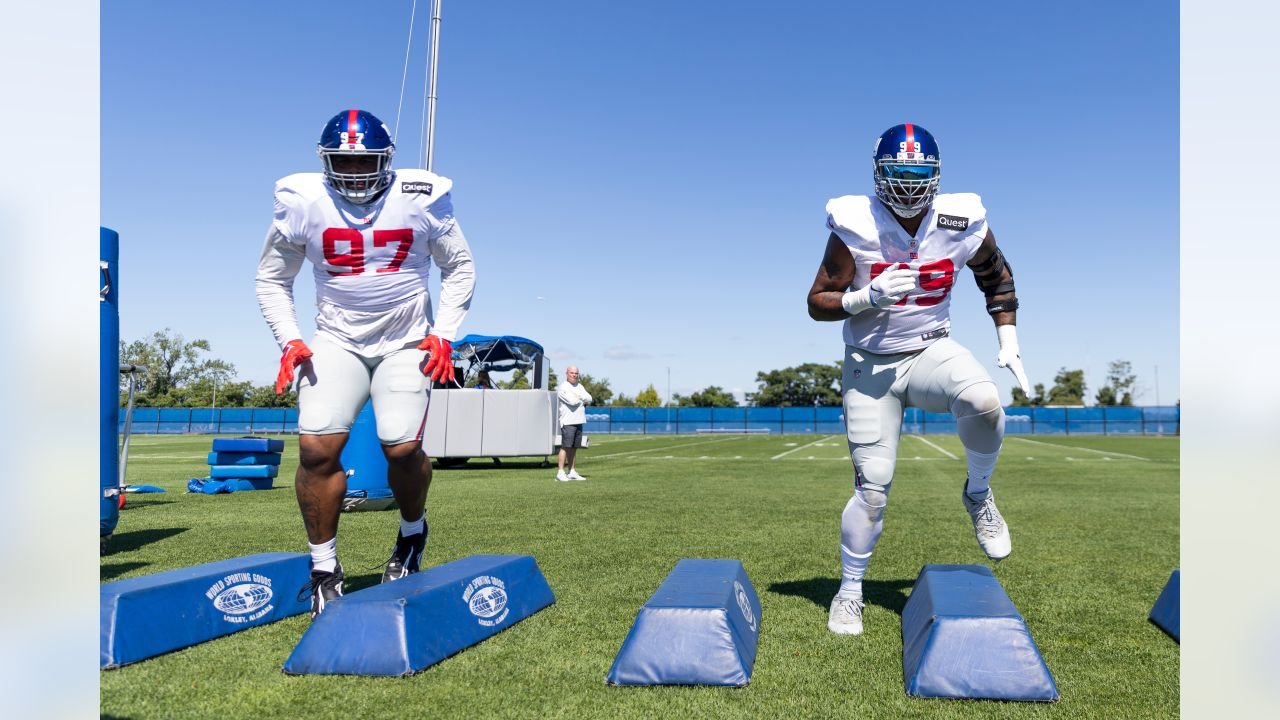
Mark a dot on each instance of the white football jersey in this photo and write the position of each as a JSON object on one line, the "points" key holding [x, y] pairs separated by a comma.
{"points": [[950, 233], [371, 262]]}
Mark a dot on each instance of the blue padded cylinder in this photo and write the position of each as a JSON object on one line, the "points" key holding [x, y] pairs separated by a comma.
{"points": [[146, 616], [963, 638], [362, 457], [109, 382], [405, 626], [1167, 612], [700, 627]]}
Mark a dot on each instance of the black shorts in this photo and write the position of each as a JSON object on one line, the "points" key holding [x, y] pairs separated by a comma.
{"points": [[570, 436]]}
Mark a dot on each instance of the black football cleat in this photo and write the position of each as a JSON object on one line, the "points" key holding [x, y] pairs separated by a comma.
{"points": [[325, 587], [406, 558]]}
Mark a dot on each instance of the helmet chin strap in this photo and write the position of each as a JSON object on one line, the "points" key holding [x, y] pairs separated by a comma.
{"points": [[907, 214]]}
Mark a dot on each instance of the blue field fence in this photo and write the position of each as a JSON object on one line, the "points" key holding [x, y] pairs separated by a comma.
{"points": [[1154, 420]]}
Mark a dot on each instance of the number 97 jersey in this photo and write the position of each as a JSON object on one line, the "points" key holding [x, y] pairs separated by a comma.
{"points": [[951, 231], [366, 257]]}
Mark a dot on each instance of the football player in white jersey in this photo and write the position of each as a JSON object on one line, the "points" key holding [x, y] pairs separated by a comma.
{"points": [[890, 263], [371, 234]]}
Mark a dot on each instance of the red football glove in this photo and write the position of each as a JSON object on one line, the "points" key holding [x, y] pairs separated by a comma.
{"points": [[295, 353], [439, 365]]}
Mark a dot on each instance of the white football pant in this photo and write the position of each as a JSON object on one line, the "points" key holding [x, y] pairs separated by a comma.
{"points": [[335, 383]]}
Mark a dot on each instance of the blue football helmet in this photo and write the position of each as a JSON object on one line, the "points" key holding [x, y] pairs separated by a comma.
{"points": [[907, 168], [356, 150]]}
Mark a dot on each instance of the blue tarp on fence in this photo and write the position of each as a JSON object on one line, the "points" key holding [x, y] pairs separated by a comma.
{"points": [[662, 421]]}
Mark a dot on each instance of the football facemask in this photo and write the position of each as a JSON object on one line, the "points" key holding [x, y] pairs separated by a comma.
{"points": [[907, 169], [356, 151]]}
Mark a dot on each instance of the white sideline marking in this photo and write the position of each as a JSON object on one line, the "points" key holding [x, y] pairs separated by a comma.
{"points": [[168, 457], [1081, 449], [609, 439], [784, 453], [671, 447], [922, 439]]}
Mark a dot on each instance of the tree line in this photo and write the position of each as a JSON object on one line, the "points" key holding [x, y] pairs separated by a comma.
{"points": [[181, 373]]}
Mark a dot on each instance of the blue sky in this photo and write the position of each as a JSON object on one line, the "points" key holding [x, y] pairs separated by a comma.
{"points": [[643, 184]]}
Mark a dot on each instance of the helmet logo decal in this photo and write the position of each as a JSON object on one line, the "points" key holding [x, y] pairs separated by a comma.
{"points": [[353, 137], [910, 148]]}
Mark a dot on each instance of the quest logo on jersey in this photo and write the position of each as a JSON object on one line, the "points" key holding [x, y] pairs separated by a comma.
{"points": [[952, 222], [425, 188]]}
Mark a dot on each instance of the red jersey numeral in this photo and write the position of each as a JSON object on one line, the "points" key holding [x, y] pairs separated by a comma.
{"points": [[383, 238], [936, 278], [354, 257]]}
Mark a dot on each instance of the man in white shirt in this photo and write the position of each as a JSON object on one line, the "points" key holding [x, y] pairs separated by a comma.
{"points": [[372, 235], [573, 415], [890, 264]]}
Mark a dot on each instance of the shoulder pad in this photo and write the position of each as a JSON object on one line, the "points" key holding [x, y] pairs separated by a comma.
{"points": [[421, 185], [851, 214], [961, 205], [307, 186]]}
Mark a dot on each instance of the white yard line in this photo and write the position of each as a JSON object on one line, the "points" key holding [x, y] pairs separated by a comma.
{"points": [[666, 447], [935, 446], [1081, 449], [609, 438], [794, 449]]}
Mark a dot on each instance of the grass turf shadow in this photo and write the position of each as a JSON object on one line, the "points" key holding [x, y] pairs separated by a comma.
{"points": [[134, 539], [115, 570], [885, 593]]}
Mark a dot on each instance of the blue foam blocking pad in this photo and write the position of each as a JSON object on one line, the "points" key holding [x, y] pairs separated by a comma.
{"points": [[247, 444], [700, 627], [147, 616], [408, 625], [244, 458], [209, 486], [244, 471], [963, 638], [1167, 612]]}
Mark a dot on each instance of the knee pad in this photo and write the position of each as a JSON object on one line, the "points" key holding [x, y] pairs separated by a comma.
{"points": [[872, 477], [979, 418], [980, 399]]}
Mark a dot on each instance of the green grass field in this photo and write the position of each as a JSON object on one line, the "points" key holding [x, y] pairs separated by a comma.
{"points": [[1094, 522]]}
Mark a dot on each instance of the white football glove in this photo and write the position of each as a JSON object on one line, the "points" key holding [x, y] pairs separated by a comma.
{"points": [[892, 285], [1008, 356]]}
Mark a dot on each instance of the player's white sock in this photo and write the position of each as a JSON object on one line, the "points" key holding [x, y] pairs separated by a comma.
{"points": [[324, 557], [860, 528], [981, 465], [411, 528]]}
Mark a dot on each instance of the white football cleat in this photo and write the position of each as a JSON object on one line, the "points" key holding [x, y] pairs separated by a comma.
{"points": [[560, 476], [988, 525], [846, 616], [573, 475]]}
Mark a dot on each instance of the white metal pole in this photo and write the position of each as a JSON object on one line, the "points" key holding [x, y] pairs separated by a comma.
{"points": [[431, 93]]}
